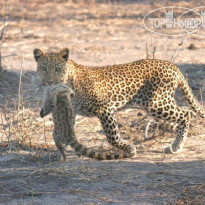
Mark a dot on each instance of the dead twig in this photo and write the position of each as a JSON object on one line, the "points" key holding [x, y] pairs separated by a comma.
{"points": [[147, 51], [20, 88], [3, 31], [177, 49]]}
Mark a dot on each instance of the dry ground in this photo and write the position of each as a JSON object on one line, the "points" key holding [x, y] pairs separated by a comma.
{"points": [[97, 34]]}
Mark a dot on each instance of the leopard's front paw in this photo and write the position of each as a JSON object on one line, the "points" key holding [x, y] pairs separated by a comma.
{"points": [[131, 150], [172, 150], [168, 150]]}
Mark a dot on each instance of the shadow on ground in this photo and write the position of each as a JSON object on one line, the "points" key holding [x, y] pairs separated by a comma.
{"points": [[151, 178], [79, 181]]}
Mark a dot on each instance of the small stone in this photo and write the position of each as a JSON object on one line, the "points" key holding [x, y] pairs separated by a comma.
{"points": [[51, 157], [192, 47]]}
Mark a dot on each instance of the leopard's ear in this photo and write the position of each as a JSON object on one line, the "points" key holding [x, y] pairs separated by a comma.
{"points": [[38, 54], [64, 53]]}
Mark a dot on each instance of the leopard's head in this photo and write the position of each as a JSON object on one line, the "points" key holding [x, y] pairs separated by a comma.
{"points": [[51, 66]]}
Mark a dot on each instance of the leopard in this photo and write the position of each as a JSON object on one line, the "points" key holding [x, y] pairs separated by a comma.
{"points": [[101, 91], [57, 100]]}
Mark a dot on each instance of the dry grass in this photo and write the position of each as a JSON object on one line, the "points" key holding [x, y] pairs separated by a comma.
{"points": [[153, 175], [22, 126], [194, 194]]}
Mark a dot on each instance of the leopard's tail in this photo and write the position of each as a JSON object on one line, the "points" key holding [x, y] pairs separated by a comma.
{"points": [[87, 152], [192, 101]]}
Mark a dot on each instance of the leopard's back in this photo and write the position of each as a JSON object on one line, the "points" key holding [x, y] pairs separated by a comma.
{"points": [[116, 86], [100, 91]]}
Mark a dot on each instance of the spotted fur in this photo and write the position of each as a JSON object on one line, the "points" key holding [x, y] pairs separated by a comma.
{"points": [[58, 101], [101, 91]]}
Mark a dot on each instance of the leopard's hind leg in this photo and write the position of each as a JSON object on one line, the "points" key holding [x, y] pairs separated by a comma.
{"points": [[181, 131], [180, 117]]}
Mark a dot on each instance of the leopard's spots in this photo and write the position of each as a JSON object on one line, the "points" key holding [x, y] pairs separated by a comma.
{"points": [[100, 91]]}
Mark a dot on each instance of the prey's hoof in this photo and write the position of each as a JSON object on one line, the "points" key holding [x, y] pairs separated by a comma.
{"points": [[42, 113]]}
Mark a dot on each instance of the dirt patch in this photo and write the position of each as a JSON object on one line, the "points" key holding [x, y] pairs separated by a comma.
{"points": [[96, 34], [151, 178], [159, 180]]}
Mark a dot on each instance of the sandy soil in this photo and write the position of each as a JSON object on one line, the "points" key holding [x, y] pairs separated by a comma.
{"points": [[96, 34]]}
